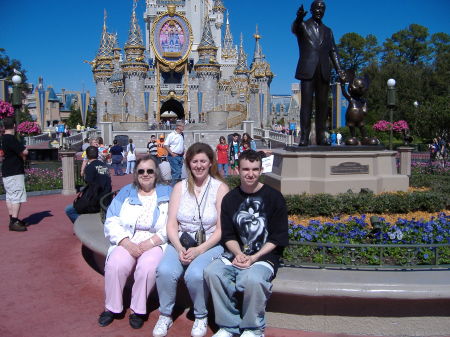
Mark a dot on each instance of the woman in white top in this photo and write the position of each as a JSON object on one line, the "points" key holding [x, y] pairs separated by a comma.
{"points": [[193, 229], [135, 226]]}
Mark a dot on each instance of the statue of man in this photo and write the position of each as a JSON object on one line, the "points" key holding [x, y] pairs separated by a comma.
{"points": [[317, 53]]}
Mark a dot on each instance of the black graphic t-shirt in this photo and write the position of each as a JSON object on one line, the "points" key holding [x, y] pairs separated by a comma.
{"points": [[254, 219]]}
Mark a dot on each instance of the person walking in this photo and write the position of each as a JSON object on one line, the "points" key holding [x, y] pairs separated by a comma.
{"points": [[174, 145], [254, 225], [222, 156], [131, 157], [116, 157], [13, 174]]}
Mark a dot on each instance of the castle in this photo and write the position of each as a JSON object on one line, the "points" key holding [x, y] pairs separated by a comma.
{"points": [[186, 66]]}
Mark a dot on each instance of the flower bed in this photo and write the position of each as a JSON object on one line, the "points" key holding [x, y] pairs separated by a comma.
{"points": [[353, 242], [38, 179]]}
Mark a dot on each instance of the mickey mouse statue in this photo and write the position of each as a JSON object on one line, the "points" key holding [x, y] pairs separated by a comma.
{"points": [[357, 110]]}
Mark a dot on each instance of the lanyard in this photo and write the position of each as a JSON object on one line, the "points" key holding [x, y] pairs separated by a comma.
{"points": [[201, 201]]}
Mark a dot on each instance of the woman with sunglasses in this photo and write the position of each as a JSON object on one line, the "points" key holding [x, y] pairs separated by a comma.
{"points": [[193, 229], [136, 229]]}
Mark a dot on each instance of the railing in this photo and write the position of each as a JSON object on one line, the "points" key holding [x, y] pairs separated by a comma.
{"points": [[367, 256], [69, 141], [38, 139], [258, 133]]}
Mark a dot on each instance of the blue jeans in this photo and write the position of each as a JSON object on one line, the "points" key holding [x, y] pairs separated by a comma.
{"points": [[71, 212], [117, 164], [224, 281], [169, 272], [176, 163], [130, 166], [224, 167]]}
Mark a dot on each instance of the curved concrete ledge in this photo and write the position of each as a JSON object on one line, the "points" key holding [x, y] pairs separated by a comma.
{"points": [[311, 282]]}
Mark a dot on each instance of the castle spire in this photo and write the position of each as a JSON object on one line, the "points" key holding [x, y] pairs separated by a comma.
{"points": [[259, 67], [105, 43], [242, 58], [229, 50], [258, 51], [218, 6], [207, 40], [134, 34]]}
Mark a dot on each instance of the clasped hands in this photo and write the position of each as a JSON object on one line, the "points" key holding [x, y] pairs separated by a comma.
{"points": [[186, 256], [243, 261], [136, 249]]}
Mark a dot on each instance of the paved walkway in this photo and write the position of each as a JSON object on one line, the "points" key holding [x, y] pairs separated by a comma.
{"points": [[47, 289]]}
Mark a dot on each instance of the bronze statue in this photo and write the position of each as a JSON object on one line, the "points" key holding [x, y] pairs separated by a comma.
{"points": [[357, 110], [317, 53]]}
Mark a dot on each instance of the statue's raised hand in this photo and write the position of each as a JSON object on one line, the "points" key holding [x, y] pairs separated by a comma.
{"points": [[301, 12]]}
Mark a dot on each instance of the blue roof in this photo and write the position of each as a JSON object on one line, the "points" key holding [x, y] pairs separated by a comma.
{"points": [[52, 96]]}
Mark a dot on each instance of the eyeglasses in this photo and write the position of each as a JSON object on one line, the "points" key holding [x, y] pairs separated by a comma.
{"points": [[142, 171]]}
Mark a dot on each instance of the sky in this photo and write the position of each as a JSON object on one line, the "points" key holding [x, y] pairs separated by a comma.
{"points": [[52, 38]]}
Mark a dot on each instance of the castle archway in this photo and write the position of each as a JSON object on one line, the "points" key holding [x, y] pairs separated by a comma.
{"points": [[171, 108]]}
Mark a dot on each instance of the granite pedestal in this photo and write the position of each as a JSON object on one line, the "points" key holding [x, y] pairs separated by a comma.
{"points": [[322, 169]]}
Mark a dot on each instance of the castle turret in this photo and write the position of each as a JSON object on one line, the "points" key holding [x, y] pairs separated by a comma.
{"points": [[134, 70], [208, 71], [260, 78], [116, 83], [102, 68]]}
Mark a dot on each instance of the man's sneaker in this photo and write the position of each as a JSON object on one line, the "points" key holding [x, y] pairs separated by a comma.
{"points": [[161, 327], [223, 333], [199, 328], [252, 333], [17, 226]]}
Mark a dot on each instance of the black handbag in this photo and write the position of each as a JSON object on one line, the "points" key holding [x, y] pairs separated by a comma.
{"points": [[187, 241]]}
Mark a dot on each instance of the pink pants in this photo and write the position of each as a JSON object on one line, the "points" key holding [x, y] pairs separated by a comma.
{"points": [[119, 266]]}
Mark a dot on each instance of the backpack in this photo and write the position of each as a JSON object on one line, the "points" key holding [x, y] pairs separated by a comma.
{"points": [[88, 200]]}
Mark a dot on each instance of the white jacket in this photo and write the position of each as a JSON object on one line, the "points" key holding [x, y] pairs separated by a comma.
{"points": [[125, 209]]}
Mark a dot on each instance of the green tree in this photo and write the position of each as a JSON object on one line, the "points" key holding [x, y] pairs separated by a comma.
{"points": [[410, 45], [7, 67], [74, 117], [91, 118], [357, 52]]}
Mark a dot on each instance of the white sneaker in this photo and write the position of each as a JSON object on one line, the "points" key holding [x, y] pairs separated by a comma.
{"points": [[199, 328], [223, 333], [252, 333], [161, 327]]}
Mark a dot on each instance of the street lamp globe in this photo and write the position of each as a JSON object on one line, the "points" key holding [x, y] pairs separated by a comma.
{"points": [[391, 83], [416, 104], [16, 79]]}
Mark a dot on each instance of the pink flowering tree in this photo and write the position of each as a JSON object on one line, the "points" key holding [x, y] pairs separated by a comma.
{"points": [[400, 126], [382, 126], [6, 109], [29, 128]]}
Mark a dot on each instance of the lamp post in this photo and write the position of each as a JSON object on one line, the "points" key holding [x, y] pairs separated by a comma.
{"points": [[17, 98], [391, 104]]}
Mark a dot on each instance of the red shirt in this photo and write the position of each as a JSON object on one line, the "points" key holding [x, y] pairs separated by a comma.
{"points": [[222, 153]]}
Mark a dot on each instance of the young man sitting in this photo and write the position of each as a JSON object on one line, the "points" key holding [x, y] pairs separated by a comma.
{"points": [[254, 231]]}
